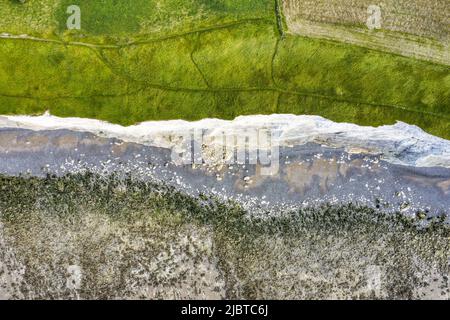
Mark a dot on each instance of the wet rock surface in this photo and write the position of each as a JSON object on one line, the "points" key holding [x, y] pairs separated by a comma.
{"points": [[307, 175], [86, 217]]}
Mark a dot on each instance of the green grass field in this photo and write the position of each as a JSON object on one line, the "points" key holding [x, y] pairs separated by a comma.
{"points": [[143, 60]]}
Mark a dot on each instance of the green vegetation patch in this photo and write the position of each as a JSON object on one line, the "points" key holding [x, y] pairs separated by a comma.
{"points": [[358, 74], [196, 59], [106, 17], [115, 17]]}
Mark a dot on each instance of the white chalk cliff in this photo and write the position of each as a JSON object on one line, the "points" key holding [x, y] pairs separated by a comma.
{"points": [[400, 143]]}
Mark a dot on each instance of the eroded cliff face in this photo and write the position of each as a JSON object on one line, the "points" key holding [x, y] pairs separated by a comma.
{"points": [[262, 162], [260, 207], [400, 143], [108, 214]]}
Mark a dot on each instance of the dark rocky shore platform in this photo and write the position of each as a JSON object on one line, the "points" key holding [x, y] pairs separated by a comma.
{"points": [[88, 217], [307, 175]]}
